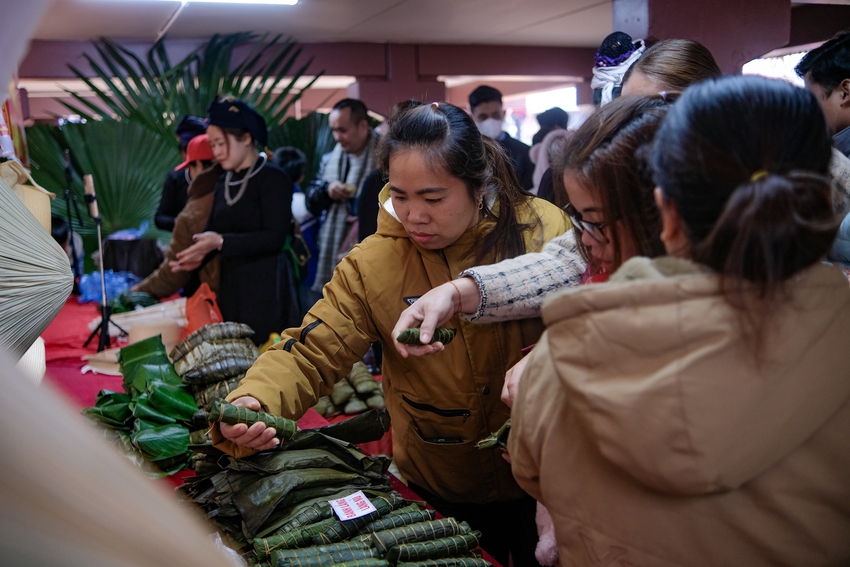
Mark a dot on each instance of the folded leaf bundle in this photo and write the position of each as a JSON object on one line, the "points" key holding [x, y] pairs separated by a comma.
{"points": [[302, 537], [111, 409], [361, 379], [143, 411], [210, 333], [411, 336], [354, 406], [230, 414], [210, 349], [287, 557], [342, 392], [403, 516], [376, 401], [344, 530], [325, 407], [274, 462], [435, 548], [205, 395], [450, 562], [172, 400], [497, 439], [147, 351], [162, 442], [422, 531], [220, 367], [129, 300], [260, 496]]}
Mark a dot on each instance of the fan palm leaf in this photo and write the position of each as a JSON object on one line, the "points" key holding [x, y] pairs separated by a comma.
{"points": [[311, 134], [153, 93], [128, 164]]}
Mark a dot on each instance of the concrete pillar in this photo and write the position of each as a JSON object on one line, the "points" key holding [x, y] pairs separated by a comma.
{"points": [[736, 31], [401, 82]]}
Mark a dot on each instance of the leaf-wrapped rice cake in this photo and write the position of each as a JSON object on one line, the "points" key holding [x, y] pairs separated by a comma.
{"points": [[435, 548], [422, 531], [210, 333]]}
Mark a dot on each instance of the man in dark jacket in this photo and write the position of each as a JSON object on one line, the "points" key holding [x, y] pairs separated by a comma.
{"points": [[826, 71], [485, 103], [338, 185], [176, 186]]}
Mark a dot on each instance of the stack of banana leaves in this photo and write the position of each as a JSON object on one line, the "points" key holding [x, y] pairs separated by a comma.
{"points": [[130, 300], [275, 505], [213, 359], [356, 393], [152, 419]]}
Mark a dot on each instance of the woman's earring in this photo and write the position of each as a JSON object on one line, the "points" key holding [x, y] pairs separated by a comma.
{"points": [[481, 202]]}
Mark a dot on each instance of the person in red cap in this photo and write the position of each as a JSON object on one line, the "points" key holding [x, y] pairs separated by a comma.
{"points": [[204, 173], [199, 156]]}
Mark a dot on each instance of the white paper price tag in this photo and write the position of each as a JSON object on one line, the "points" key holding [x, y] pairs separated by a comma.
{"points": [[352, 506]]}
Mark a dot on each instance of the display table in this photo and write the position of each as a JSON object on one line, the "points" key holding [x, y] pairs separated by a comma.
{"points": [[63, 346]]}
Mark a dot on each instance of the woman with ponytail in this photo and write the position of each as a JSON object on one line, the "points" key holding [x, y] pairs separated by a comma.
{"points": [[452, 201], [694, 410]]}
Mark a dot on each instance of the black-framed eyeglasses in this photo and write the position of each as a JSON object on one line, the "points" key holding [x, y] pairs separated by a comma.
{"points": [[594, 229]]}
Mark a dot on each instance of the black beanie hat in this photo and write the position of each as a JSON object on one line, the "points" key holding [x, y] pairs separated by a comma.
{"points": [[234, 113]]}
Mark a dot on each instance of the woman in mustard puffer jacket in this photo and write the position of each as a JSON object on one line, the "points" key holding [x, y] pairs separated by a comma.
{"points": [[452, 201]]}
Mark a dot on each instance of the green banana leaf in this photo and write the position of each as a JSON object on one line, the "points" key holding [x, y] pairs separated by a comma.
{"points": [[147, 351], [172, 400], [172, 465], [163, 442], [129, 300], [112, 409], [147, 373], [140, 424], [142, 410]]}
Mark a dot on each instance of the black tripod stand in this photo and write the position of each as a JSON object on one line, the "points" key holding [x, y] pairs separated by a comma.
{"points": [[70, 197], [105, 309]]}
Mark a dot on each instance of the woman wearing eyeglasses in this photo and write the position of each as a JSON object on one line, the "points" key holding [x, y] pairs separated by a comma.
{"points": [[695, 409]]}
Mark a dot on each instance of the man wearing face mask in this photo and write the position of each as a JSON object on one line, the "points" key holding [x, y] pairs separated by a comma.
{"points": [[485, 103]]}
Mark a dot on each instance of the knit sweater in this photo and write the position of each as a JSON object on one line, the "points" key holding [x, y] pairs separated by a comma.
{"points": [[515, 288]]}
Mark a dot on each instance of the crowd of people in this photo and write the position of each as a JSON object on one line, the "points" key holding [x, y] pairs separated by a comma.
{"points": [[685, 400]]}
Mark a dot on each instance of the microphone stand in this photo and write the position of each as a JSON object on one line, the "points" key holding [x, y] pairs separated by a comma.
{"points": [[105, 309], [68, 198]]}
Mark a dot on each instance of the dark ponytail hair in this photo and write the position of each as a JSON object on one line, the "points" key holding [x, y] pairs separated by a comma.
{"points": [[448, 138], [746, 160], [608, 155]]}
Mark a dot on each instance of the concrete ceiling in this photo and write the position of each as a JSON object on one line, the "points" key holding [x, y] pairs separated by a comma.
{"points": [[570, 23]]}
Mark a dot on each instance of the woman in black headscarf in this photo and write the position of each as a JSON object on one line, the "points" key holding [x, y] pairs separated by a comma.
{"points": [[250, 220]]}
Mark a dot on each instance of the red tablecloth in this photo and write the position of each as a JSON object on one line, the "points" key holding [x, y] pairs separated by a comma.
{"points": [[64, 346]]}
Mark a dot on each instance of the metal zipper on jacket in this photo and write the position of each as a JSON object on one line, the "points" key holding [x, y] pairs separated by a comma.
{"points": [[464, 413]]}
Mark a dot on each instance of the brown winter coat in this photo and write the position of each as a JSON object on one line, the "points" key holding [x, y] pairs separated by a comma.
{"points": [[191, 220], [655, 437], [451, 396]]}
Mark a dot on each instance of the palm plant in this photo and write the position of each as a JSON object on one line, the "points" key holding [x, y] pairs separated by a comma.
{"points": [[127, 141], [128, 164], [155, 94], [311, 134]]}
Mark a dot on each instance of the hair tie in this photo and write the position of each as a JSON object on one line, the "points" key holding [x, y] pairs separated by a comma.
{"points": [[436, 105], [760, 174]]}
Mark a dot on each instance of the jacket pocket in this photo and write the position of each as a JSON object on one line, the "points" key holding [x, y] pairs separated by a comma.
{"points": [[464, 413]]}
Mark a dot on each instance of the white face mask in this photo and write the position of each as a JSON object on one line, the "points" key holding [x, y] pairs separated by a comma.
{"points": [[490, 127]]}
